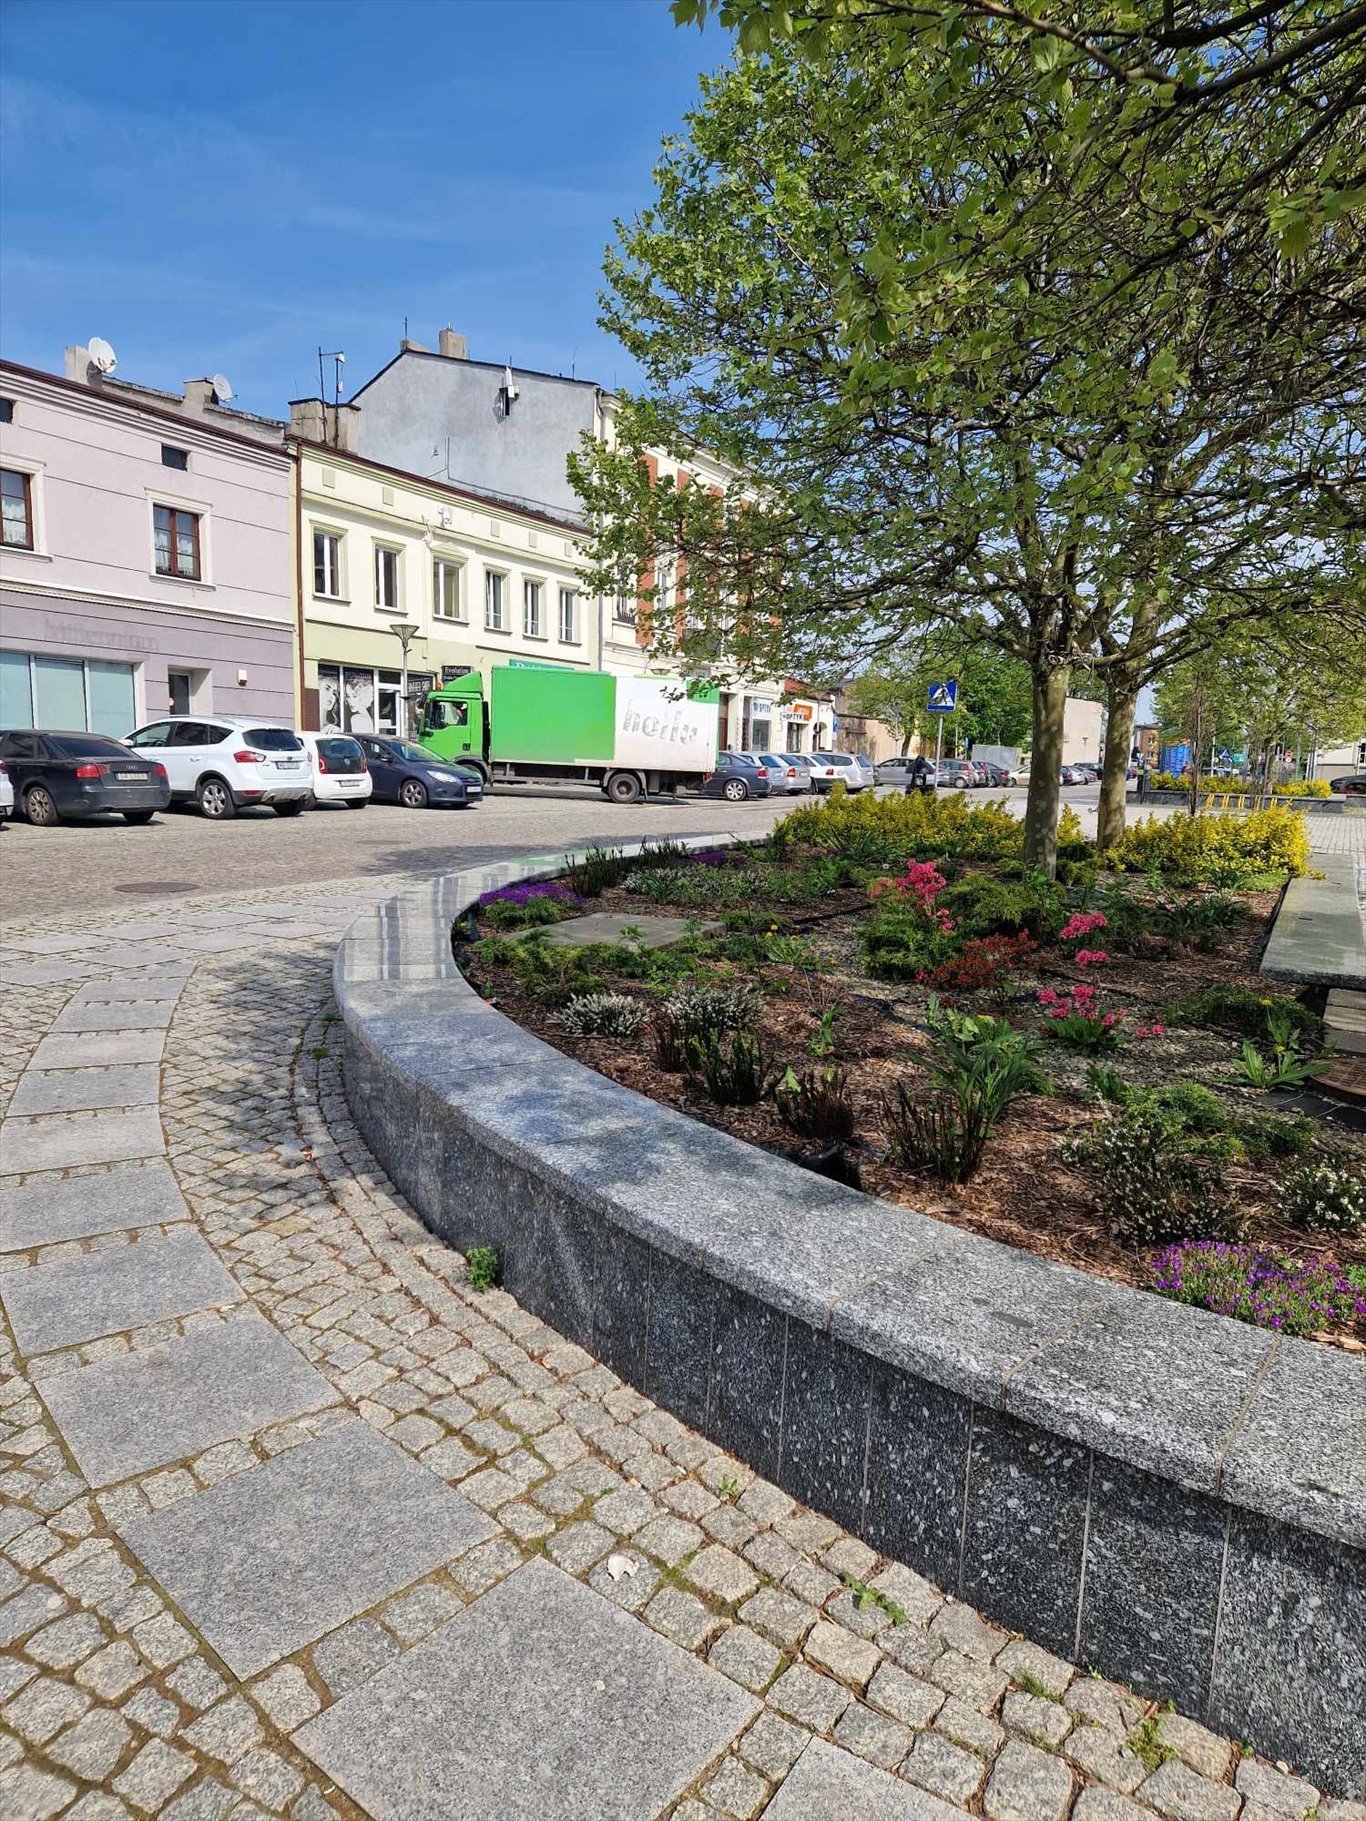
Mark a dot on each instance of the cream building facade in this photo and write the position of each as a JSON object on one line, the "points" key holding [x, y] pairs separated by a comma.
{"points": [[480, 582]]}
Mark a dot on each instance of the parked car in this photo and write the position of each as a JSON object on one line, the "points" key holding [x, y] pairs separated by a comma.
{"points": [[998, 777], [847, 768], [1354, 785], [59, 777], [415, 778], [804, 763], [956, 774], [1072, 774], [224, 764], [897, 772], [736, 778], [341, 773], [6, 792], [784, 774]]}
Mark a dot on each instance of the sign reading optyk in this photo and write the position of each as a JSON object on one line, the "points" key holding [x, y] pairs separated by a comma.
{"points": [[943, 698]]}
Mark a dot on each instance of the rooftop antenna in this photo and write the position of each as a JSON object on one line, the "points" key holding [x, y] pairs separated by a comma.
{"points": [[222, 391], [102, 357], [574, 364]]}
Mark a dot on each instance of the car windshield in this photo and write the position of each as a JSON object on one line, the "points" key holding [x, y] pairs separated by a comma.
{"points": [[274, 739], [413, 754], [87, 746]]}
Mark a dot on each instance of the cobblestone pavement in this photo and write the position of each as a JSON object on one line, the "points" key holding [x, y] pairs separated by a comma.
{"points": [[295, 1523]]}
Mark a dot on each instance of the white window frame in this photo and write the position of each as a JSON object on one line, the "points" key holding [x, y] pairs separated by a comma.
{"points": [[534, 583], [625, 611], [19, 464], [456, 565], [500, 578], [396, 552], [338, 537], [569, 596], [162, 496]]}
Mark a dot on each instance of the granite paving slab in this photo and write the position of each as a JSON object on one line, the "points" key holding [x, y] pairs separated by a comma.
{"points": [[46, 1210], [139, 1410], [85, 1090], [160, 985], [269, 1561], [129, 1015], [541, 1702], [832, 1785], [106, 1292], [61, 1141], [98, 1049]]}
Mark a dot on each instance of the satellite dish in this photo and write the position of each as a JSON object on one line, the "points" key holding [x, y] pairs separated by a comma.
{"points": [[102, 357], [222, 391]]}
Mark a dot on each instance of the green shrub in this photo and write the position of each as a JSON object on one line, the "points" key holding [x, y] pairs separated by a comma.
{"points": [[933, 1133], [1151, 1187], [982, 905], [978, 1066], [1235, 1008], [733, 1069], [868, 830], [899, 944], [603, 1015], [1290, 787], [1216, 850], [816, 1104], [483, 1267], [503, 914], [1326, 1195], [592, 872]]}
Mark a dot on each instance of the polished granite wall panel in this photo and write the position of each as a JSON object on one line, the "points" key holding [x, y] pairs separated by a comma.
{"points": [[1025, 1528], [749, 1352], [825, 1424], [917, 1472], [1154, 1555]]}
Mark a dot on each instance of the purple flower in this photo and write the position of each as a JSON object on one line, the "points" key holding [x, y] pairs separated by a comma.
{"points": [[523, 894], [1256, 1285]]}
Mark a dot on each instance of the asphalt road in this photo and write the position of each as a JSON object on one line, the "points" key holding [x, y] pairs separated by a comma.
{"points": [[106, 865]]}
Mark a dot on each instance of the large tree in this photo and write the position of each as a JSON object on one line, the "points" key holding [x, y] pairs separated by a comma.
{"points": [[915, 316]]}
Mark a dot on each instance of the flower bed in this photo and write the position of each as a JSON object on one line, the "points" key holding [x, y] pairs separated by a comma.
{"points": [[1081, 1070]]}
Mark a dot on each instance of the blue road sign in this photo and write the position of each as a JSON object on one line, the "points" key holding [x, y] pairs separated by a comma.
{"points": [[943, 698]]}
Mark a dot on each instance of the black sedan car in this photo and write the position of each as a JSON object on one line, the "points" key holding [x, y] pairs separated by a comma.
{"points": [[736, 778], [59, 777], [1354, 785], [414, 778]]}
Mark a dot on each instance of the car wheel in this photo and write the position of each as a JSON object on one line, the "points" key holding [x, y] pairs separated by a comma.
{"points": [[356, 802], [138, 817], [215, 800], [293, 808], [735, 790], [40, 808], [412, 794], [623, 787]]}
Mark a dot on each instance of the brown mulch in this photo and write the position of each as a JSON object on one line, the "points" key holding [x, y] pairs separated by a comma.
{"points": [[1024, 1194]]}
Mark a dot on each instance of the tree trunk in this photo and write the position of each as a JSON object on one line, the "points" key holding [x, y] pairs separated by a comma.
{"points": [[1041, 811], [1121, 706]]}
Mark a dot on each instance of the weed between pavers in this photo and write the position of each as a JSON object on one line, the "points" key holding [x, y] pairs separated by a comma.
{"points": [[864, 1595]]}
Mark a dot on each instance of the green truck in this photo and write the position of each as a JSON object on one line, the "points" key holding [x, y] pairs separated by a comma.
{"points": [[630, 735]]}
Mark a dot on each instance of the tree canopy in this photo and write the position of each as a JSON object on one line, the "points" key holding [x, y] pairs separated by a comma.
{"points": [[924, 328]]}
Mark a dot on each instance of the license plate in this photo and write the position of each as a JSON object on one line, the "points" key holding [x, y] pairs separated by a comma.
{"points": [[288, 764], [130, 777], [350, 783]]}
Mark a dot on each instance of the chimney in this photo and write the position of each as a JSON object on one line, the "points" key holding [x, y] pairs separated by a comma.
{"points": [[406, 346], [77, 363], [306, 419], [453, 346], [337, 426], [198, 394]]}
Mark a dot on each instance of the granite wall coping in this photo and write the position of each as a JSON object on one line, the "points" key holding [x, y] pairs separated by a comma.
{"points": [[1262, 1422]]}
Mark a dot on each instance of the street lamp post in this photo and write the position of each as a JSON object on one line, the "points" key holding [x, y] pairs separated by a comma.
{"points": [[405, 632]]}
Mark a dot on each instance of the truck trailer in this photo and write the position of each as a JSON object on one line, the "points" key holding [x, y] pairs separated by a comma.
{"points": [[632, 736]]}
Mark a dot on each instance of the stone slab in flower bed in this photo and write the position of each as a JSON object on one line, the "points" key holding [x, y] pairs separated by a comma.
{"points": [[1175, 1499]]}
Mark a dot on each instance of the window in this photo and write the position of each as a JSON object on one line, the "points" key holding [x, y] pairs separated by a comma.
{"points": [[494, 616], [386, 578], [446, 601], [569, 617], [531, 610], [327, 564], [171, 457], [158, 734], [357, 700], [6, 410], [176, 534], [625, 612], [91, 693], [16, 502], [274, 739]]}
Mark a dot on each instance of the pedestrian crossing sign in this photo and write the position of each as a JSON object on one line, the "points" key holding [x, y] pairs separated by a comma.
{"points": [[943, 698]]}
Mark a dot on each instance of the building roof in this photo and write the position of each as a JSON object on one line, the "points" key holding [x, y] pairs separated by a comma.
{"points": [[142, 399], [463, 360], [465, 494]]}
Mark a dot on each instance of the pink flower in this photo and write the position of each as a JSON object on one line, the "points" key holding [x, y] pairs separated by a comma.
{"points": [[1110, 1020], [1151, 1030], [1082, 923], [1090, 957]]}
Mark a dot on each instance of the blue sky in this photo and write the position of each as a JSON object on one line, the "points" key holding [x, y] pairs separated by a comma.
{"points": [[223, 187]]}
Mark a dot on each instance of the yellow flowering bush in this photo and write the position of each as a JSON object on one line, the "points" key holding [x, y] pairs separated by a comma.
{"points": [[1215, 850], [1292, 787], [877, 831]]}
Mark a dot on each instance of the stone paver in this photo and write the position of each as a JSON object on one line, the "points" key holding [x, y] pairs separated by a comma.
{"points": [[273, 1559], [618, 1720], [108, 1698]]}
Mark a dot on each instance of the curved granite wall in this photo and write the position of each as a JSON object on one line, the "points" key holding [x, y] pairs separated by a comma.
{"points": [[1175, 1499]]}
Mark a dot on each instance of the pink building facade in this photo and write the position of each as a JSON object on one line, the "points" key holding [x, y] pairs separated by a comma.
{"points": [[147, 555]]}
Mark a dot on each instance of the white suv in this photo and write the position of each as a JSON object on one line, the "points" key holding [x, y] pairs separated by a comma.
{"points": [[847, 768], [225, 764]]}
